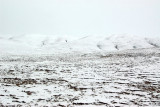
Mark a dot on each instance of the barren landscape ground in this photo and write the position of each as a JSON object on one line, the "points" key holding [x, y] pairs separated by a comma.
{"points": [[126, 78]]}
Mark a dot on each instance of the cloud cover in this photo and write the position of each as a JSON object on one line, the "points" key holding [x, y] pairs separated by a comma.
{"points": [[80, 17]]}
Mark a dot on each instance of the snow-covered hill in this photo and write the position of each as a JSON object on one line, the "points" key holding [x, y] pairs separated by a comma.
{"points": [[40, 70], [48, 44]]}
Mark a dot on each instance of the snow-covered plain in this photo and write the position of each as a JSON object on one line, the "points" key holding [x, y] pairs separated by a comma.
{"points": [[115, 70]]}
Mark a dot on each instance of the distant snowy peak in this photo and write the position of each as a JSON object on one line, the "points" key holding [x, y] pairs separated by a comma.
{"points": [[34, 44]]}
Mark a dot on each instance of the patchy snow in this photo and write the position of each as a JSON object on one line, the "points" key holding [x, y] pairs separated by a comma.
{"points": [[114, 70], [124, 78]]}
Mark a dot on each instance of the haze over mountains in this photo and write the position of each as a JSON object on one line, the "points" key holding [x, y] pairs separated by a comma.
{"points": [[48, 44]]}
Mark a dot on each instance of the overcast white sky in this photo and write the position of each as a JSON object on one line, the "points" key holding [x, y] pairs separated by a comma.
{"points": [[80, 17]]}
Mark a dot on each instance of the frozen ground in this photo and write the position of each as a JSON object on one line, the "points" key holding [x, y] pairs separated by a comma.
{"points": [[124, 78]]}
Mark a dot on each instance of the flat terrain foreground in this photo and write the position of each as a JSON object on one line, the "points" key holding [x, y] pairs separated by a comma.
{"points": [[75, 79]]}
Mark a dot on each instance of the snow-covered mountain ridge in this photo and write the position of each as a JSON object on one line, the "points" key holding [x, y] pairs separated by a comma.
{"points": [[45, 44]]}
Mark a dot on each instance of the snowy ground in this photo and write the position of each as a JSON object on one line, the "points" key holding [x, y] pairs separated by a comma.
{"points": [[125, 78]]}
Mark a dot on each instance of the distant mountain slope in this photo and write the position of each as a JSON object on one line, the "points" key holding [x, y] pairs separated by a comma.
{"points": [[48, 44]]}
